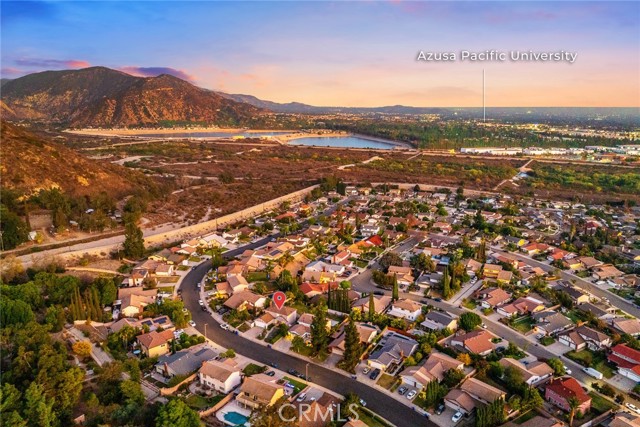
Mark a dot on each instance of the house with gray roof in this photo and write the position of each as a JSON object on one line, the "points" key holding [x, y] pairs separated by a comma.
{"points": [[438, 320], [392, 350], [185, 362], [550, 322]]}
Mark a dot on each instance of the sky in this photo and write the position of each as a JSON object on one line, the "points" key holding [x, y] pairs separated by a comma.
{"points": [[344, 53]]}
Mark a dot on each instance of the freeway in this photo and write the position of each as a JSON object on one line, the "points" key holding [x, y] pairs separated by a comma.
{"points": [[377, 401]]}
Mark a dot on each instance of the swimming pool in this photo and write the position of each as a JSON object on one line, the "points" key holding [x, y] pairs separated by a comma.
{"points": [[236, 418]]}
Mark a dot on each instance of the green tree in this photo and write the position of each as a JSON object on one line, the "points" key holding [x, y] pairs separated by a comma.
{"points": [[38, 408], [469, 321], [557, 366], [446, 284], [394, 292], [177, 414], [133, 238], [573, 403], [319, 332], [389, 259], [107, 289], [15, 312], [14, 229], [372, 307], [352, 347]]}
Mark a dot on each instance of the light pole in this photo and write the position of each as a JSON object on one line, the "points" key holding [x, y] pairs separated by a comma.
{"points": [[205, 331], [306, 372]]}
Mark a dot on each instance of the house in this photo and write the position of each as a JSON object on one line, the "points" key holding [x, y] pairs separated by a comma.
{"points": [[559, 391], [366, 332], [284, 314], [340, 257], [578, 296], [155, 343], [584, 336], [134, 304], [368, 230], [313, 414], [184, 362], [438, 320], [625, 419], [380, 303], [540, 421], [138, 276], [403, 274], [393, 349], [550, 322], [589, 262], [532, 373], [492, 297], [627, 360], [473, 267], [534, 248], [521, 306], [599, 310], [460, 401], [491, 271], [606, 271], [237, 283], [627, 326], [478, 342], [310, 290], [405, 309], [164, 270], [245, 300], [223, 377], [504, 277], [432, 369], [258, 391], [481, 391], [213, 241]]}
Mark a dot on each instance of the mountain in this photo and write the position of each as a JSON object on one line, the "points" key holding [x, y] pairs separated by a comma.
{"points": [[101, 97], [3, 81], [299, 108], [31, 162]]}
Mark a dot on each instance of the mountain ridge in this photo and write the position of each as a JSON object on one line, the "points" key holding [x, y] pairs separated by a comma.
{"points": [[102, 97]]}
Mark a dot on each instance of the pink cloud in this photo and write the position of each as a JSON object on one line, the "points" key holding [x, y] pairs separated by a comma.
{"points": [[52, 63], [156, 71]]}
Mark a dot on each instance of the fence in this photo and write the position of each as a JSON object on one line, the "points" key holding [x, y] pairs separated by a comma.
{"points": [[165, 391], [215, 408]]}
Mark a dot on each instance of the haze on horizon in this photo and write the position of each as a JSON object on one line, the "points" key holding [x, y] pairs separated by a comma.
{"points": [[353, 54]]}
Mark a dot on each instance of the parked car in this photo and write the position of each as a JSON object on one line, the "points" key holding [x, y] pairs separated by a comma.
{"points": [[192, 323], [374, 374], [270, 373], [440, 409], [273, 365], [456, 417], [301, 397], [366, 370], [411, 394], [566, 370], [225, 326], [438, 299], [363, 403], [402, 390], [200, 302]]}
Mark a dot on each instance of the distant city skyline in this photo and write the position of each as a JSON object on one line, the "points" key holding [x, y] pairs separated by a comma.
{"points": [[353, 54]]}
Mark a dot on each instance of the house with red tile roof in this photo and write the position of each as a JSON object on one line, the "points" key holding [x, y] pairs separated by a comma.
{"points": [[560, 390], [628, 361], [478, 342]]}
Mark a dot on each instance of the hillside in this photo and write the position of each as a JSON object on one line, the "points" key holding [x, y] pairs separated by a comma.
{"points": [[30, 163], [101, 97]]}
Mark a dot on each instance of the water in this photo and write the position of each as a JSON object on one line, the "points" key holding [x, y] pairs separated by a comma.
{"points": [[236, 418], [211, 134], [343, 141]]}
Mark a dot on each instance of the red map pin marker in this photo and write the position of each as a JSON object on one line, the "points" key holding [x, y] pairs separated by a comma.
{"points": [[278, 299]]}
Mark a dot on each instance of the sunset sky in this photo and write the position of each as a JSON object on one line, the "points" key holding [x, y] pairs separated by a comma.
{"points": [[341, 53]]}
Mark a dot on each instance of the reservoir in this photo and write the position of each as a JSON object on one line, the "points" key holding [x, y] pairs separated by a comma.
{"points": [[211, 134], [343, 142]]}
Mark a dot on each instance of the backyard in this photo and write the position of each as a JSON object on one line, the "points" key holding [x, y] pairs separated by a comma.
{"points": [[595, 360]]}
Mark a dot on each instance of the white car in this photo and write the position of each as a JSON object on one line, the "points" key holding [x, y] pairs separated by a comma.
{"points": [[225, 326], [633, 407], [200, 302], [456, 417], [411, 394], [366, 370], [301, 397], [566, 369], [192, 323]]}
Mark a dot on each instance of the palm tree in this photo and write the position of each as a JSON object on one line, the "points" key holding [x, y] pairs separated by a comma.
{"points": [[573, 405], [285, 259]]}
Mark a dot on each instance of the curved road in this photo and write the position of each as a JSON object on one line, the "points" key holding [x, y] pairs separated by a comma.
{"points": [[386, 406]]}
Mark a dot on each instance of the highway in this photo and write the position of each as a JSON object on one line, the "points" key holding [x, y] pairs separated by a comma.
{"points": [[377, 401]]}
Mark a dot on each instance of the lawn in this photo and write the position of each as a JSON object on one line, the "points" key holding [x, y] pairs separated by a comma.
{"points": [[253, 369], [600, 404], [386, 381], [198, 402], [167, 289], [170, 279], [469, 303], [575, 316], [183, 267], [257, 276], [594, 360], [371, 419], [547, 340], [298, 386], [525, 417], [523, 324]]}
